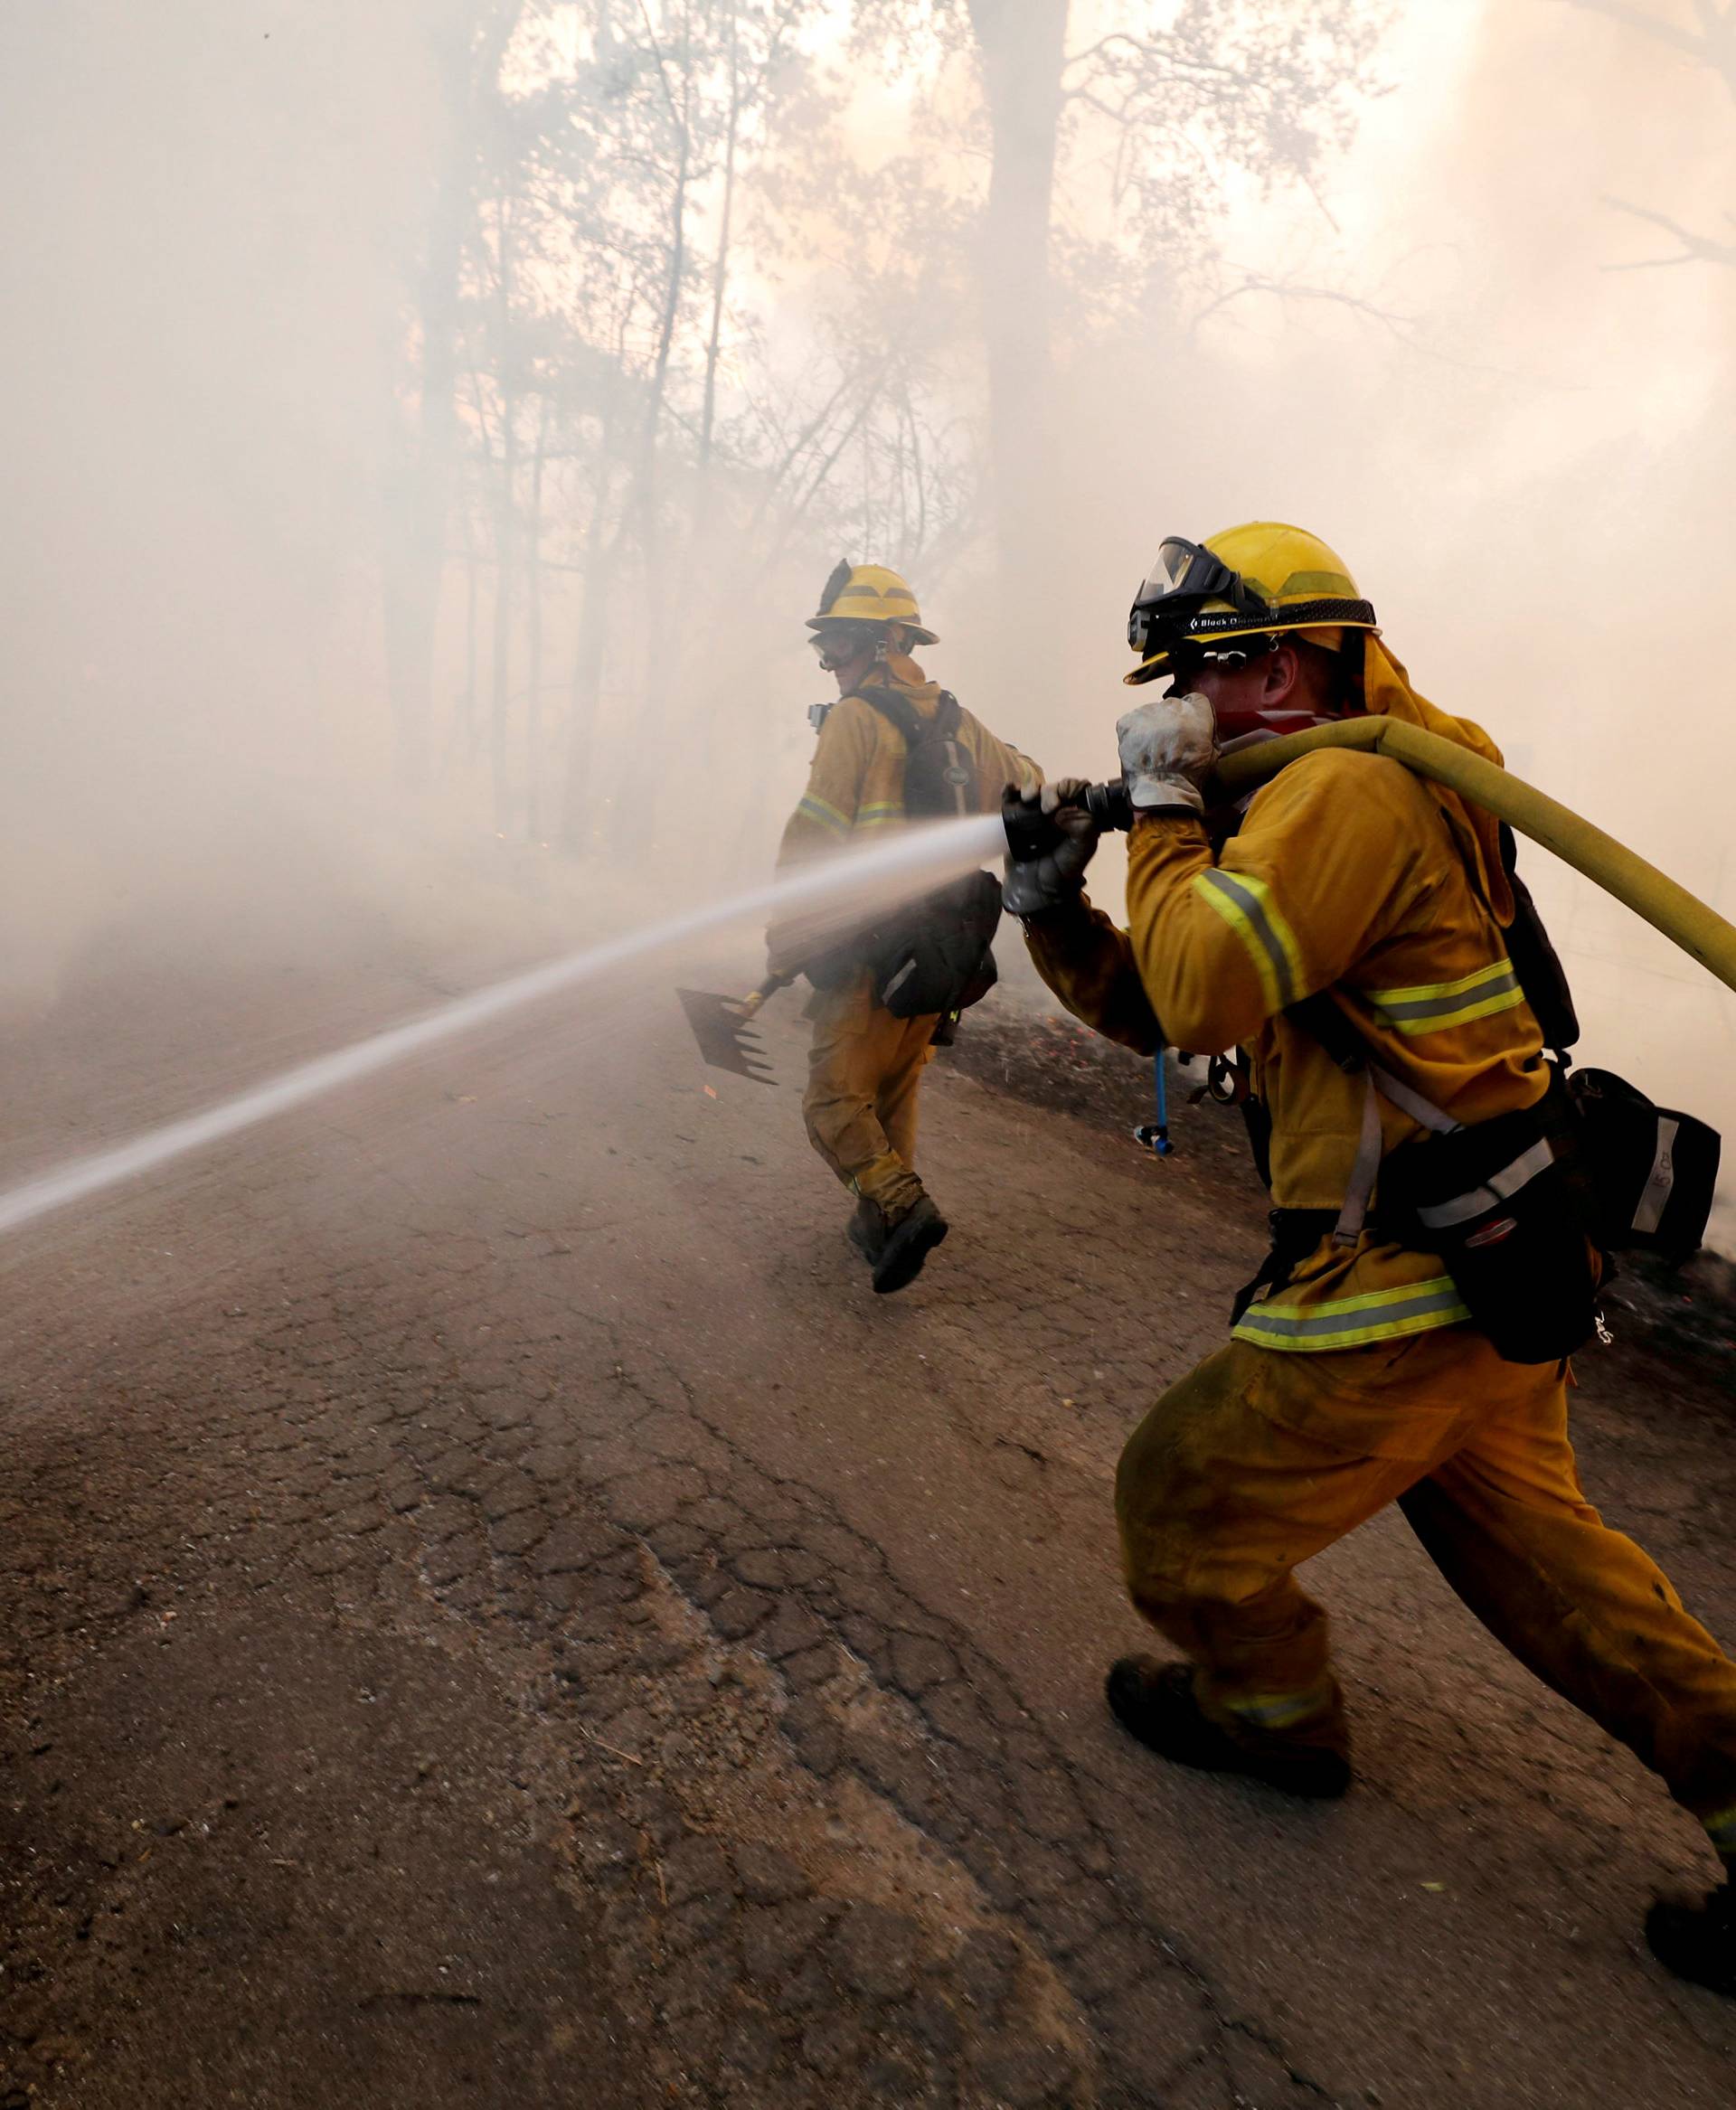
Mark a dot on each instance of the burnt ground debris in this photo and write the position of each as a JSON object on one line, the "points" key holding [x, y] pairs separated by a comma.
{"points": [[496, 1612]]}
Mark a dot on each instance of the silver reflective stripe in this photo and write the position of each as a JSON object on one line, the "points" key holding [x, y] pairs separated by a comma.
{"points": [[898, 980], [1324, 1325], [1445, 1007], [1254, 909], [1500, 1186], [1655, 1198]]}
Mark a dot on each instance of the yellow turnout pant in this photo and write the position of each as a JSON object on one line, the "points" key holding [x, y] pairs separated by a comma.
{"points": [[862, 1073], [1257, 1460]]}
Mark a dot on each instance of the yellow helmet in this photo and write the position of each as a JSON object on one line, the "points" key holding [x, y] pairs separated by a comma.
{"points": [[1264, 576], [870, 593]]}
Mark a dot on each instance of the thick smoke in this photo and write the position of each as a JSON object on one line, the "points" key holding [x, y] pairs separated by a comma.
{"points": [[218, 235], [206, 213]]}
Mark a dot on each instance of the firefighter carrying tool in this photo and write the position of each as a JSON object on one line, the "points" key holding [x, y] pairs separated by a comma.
{"points": [[892, 746], [1357, 1372]]}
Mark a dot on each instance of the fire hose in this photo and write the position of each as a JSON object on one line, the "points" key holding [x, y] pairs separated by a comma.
{"points": [[1686, 921]]}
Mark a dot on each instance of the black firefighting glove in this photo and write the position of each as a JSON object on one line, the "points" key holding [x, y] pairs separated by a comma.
{"points": [[1060, 838]]}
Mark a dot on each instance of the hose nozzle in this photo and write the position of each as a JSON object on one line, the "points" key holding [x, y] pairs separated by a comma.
{"points": [[1110, 807], [1030, 832]]}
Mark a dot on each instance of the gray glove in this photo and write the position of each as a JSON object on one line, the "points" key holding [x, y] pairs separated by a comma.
{"points": [[1167, 748], [1053, 878]]}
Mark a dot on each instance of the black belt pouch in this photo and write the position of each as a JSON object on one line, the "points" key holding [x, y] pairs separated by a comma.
{"points": [[1496, 1201]]}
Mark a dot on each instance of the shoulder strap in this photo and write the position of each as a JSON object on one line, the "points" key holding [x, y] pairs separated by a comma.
{"points": [[896, 711], [1319, 1017], [1535, 961], [943, 726]]}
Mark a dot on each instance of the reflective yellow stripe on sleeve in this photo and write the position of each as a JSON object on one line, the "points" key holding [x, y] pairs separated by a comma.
{"points": [[1352, 1322], [1246, 906], [882, 814], [1430, 1007], [828, 816]]}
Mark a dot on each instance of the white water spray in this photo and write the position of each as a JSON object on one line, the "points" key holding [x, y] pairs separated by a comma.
{"points": [[909, 864]]}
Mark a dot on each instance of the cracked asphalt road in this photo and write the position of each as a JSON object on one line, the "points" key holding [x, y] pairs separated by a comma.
{"points": [[495, 1613]]}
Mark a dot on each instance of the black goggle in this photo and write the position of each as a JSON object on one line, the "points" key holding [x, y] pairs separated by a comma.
{"points": [[1187, 576], [843, 640]]}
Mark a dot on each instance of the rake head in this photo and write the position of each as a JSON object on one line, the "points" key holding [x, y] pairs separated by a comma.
{"points": [[723, 1027]]}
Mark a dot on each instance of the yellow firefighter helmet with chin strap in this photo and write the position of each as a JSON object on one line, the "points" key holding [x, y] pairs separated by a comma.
{"points": [[870, 593], [1259, 579]]}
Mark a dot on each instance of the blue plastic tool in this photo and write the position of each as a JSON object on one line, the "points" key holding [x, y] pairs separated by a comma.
{"points": [[1154, 1135]]}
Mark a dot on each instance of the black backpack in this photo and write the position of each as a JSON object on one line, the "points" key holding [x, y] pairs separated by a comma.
{"points": [[935, 956], [941, 779], [1646, 1173], [1536, 962], [1651, 1172]]}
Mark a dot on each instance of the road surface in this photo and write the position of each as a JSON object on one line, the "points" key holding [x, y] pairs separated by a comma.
{"points": [[494, 1613]]}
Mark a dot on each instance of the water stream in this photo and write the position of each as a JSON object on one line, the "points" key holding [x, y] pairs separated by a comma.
{"points": [[907, 864]]}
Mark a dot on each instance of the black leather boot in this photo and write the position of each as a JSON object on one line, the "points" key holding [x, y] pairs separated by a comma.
{"points": [[909, 1240], [1155, 1702], [866, 1230], [1697, 1942]]}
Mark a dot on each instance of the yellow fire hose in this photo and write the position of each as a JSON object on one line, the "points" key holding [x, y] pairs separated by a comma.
{"points": [[1699, 930]]}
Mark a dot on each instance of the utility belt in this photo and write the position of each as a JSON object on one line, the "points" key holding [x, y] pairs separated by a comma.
{"points": [[1494, 1203], [1521, 1209]]}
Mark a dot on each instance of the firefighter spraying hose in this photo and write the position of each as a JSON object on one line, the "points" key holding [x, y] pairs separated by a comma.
{"points": [[1321, 876]]}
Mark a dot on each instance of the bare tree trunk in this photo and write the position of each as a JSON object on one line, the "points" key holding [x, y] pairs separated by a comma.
{"points": [[645, 496], [578, 819], [505, 533], [415, 558], [533, 801], [464, 731], [679, 117], [1022, 44], [416, 553], [720, 271]]}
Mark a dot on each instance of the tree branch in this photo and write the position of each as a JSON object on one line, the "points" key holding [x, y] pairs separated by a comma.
{"points": [[1696, 249], [1403, 326], [1648, 24], [663, 71]]}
